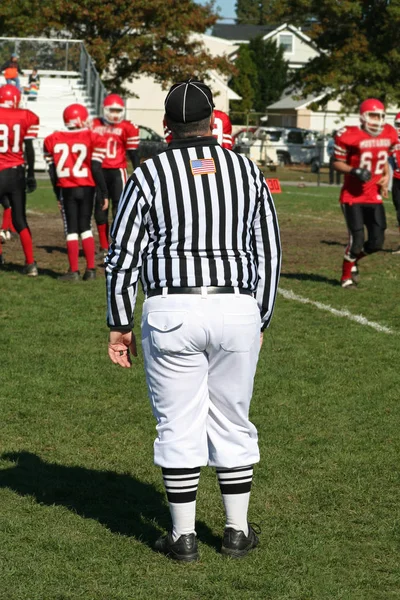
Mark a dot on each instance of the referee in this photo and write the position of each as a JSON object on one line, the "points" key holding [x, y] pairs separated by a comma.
{"points": [[197, 225]]}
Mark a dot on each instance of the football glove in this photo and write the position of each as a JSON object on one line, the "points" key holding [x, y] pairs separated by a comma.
{"points": [[31, 184], [362, 174]]}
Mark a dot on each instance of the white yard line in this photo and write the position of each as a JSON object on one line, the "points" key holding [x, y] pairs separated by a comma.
{"points": [[289, 295]]}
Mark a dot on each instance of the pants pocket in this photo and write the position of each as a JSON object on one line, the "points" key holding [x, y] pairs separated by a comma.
{"points": [[167, 330], [239, 331]]}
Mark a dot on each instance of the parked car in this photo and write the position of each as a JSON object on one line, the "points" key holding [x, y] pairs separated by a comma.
{"points": [[284, 146], [243, 137], [150, 143]]}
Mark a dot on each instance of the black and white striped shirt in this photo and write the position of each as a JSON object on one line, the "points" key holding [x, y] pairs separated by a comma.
{"points": [[196, 215]]}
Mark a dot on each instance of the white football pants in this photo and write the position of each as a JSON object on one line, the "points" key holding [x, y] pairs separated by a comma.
{"points": [[200, 357]]}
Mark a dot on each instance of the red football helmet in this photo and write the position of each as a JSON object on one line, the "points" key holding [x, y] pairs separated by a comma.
{"points": [[10, 96], [372, 115], [75, 116], [113, 108], [397, 123]]}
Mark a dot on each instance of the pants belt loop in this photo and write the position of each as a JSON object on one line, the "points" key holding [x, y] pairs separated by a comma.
{"points": [[237, 293], [203, 292], [164, 292]]}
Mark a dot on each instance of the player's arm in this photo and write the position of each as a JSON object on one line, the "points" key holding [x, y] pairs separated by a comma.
{"points": [[362, 175], [340, 163], [51, 170], [132, 143], [30, 166], [383, 182], [98, 155], [101, 185], [133, 156]]}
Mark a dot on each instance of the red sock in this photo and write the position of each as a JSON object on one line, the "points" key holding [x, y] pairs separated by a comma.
{"points": [[89, 250], [103, 235], [27, 246], [12, 228], [346, 269], [73, 254], [7, 222]]}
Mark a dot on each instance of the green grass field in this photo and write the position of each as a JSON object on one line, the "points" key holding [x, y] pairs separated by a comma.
{"points": [[81, 502]]}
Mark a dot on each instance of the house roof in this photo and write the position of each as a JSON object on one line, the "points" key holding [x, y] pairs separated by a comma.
{"points": [[290, 102], [244, 33], [241, 32]]}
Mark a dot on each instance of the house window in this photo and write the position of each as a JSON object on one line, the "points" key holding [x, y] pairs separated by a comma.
{"points": [[286, 42]]}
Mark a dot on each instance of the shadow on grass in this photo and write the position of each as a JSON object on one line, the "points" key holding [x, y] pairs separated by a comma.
{"points": [[118, 501], [333, 243], [51, 249], [311, 277], [16, 268], [343, 245]]}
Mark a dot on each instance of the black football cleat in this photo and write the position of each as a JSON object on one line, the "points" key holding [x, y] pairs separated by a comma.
{"points": [[236, 544], [89, 275], [70, 276], [31, 270], [184, 549]]}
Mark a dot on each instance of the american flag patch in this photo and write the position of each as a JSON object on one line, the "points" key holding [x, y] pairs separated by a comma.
{"points": [[203, 166]]}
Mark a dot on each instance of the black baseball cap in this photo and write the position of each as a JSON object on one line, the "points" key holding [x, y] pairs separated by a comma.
{"points": [[189, 101]]}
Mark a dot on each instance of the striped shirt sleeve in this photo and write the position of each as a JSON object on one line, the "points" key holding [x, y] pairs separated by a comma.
{"points": [[129, 240], [267, 248]]}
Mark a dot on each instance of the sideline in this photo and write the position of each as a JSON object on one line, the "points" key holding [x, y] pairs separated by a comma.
{"points": [[289, 295]]}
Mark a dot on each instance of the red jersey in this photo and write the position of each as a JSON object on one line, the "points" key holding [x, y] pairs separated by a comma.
{"points": [[358, 148], [396, 160], [167, 132], [222, 130], [72, 152], [119, 138], [16, 125]]}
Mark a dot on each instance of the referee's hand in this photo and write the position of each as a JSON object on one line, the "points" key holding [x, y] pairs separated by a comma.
{"points": [[120, 345]]}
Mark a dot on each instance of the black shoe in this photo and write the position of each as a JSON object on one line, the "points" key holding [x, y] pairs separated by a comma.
{"points": [[238, 545], [185, 547], [89, 275], [31, 270], [70, 276]]}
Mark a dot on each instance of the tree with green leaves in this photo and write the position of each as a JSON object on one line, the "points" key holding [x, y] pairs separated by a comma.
{"points": [[125, 38], [262, 77], [360, 49], [272, 71]]}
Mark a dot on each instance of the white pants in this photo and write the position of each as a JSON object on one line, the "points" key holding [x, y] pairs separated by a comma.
{"points": [[200, 357]]}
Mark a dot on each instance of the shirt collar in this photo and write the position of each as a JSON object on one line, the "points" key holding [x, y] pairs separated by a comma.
{"points": [[189, 142]]}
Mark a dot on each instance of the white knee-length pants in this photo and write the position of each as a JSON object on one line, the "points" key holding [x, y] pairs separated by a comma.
{"points": [[200, 356]]}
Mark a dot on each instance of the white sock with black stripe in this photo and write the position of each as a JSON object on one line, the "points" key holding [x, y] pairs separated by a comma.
{"points": [[235, 486], [181, 487]]}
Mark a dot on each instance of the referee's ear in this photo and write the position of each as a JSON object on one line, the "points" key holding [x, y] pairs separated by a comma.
{"points": [[212, 118]]}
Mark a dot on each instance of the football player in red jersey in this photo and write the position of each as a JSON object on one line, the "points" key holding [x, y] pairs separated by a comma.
{"points": [[396, 176], [18, 128], [361, 153], [222, 130], [122, 138], [75, 161]]}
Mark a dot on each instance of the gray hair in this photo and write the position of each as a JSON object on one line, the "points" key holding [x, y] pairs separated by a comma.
{"points": [[184, 130]]}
